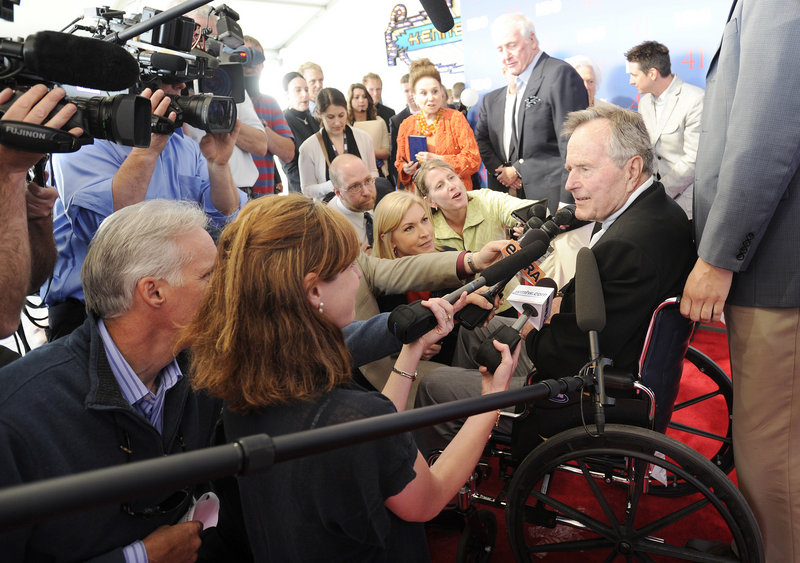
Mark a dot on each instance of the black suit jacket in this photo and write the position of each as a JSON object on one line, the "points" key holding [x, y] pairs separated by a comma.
{"points": [[554, 89], [394, 127], [489, 134], [385, 113], [643, 258]]}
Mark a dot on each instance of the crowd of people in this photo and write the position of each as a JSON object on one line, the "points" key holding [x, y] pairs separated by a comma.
{"points": [[188, 310]]}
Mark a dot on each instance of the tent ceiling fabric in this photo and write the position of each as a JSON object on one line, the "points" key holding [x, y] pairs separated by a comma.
{"points": [[277, 22]]}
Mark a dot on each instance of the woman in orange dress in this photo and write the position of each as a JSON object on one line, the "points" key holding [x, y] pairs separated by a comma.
{"points": [[449, 136]]}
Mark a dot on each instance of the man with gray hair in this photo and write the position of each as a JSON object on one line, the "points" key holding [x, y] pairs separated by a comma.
{"points": [[114, 391], [519, 127], [644, 251]]}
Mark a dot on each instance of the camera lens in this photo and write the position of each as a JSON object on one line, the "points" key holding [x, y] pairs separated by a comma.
{"points": [[213, 114], [123, 119]]}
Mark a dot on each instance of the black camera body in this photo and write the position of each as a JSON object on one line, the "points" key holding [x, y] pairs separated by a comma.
{"points": [[53, 58]]}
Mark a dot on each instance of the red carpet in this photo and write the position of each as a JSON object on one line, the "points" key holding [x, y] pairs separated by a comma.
{"points": [[709, 415]]}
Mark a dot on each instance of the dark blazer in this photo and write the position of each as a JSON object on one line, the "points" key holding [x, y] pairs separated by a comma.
{"points": [[747, 177], [489, 135], [385, 113], [643, 258], [554, 89], [394, 127]]}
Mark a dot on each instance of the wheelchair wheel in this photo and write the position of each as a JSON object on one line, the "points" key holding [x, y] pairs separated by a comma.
{"points": [[478, 538], [577, 493], [712, 401]]}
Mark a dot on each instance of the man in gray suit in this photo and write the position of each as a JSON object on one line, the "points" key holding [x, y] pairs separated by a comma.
{"points": [[747, 200], [519, 136], [671, 110]]}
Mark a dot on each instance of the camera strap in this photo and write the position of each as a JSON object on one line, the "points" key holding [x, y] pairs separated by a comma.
{"points": [[30, 137]]}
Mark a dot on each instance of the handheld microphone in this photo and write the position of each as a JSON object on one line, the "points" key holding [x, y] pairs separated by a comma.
{"points": [[439, 14], [487, 355], [473, 315], [409, 322], [68, 59]]}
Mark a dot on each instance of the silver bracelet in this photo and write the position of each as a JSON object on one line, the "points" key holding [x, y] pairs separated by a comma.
{"points": [[470, 263], [411, 376]]}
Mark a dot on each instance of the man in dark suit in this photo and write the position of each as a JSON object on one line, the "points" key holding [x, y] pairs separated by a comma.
{"points": [[747, 200], [374, 86], [643, 246], [519, 135], [394, 122]]}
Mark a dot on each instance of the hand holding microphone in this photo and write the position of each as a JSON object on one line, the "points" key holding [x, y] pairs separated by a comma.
{"points": [[409, 322]]}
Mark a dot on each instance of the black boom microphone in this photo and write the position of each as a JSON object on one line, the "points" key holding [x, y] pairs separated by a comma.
{"points": [[69, 59], [439, 13], [590, 313], [409, 322]]}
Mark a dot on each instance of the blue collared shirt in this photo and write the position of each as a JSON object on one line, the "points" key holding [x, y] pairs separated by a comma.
{"points": [[524, 76], [84, 180], [147, 403], [150, 405]]}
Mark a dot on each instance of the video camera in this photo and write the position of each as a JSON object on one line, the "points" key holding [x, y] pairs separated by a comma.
{"points": [[56, 58], [172, 48]]}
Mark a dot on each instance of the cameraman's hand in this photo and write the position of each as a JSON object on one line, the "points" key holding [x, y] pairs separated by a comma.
{"points": [[33, 107], [39, 200], [159, 102], [218, 147]]}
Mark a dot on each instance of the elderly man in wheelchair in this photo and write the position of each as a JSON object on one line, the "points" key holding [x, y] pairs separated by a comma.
{"points": [[644, 251], [643, 248]]}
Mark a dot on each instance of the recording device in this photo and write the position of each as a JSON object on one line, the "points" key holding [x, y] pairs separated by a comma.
{"points": [[212, 114], [535, 209], [52, 58], [409, 322], [172, 48], [439, 13], [536, 311], [590, 312], [472, 316], [487, 355]]}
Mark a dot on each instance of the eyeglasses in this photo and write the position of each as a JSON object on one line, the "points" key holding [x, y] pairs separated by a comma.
{"points": [[356, 188]]}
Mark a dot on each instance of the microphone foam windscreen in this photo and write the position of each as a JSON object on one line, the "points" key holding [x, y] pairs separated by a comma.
{"points": [[80, 61], [510, 265], [548, 282], [590, 307], [532, 235], [565, 215], [439, 14]]}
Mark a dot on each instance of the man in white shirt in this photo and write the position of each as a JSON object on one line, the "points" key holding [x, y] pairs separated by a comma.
{"points": [[355, 195], [671, 110], [252, 139]]}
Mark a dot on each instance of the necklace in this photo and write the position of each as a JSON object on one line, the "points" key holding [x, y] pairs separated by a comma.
{"points": [[426, 128]]}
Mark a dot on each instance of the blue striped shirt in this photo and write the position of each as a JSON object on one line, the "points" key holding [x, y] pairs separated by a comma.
{"points": [[150, 405]]}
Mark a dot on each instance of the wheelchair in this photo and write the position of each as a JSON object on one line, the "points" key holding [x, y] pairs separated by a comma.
{"points": [[641, 495]]}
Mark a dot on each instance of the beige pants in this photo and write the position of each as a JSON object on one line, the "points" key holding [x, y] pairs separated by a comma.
{"points": [[765, 361]]}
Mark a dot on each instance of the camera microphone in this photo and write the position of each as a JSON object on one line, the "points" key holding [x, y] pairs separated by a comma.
{"points": [[68, 59]]}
